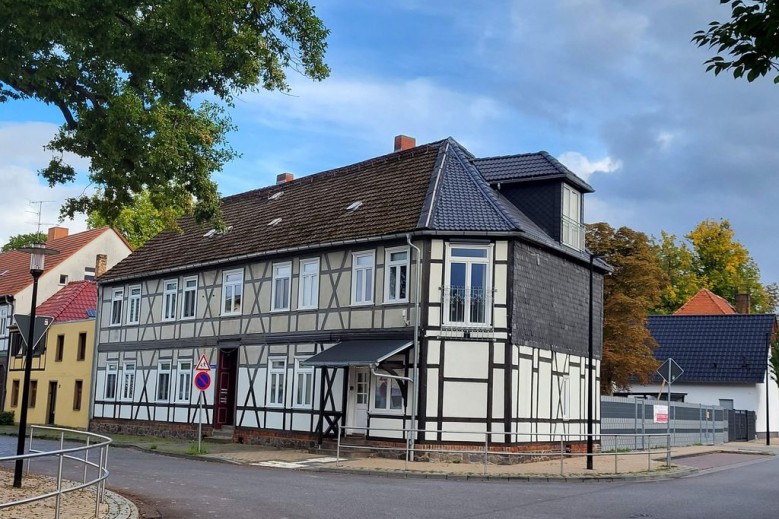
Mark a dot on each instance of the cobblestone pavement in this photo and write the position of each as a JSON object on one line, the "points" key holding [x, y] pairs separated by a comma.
{"points": [[79, 504]]}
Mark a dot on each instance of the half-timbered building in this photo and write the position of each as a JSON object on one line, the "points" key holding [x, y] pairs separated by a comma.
{"points": [[425, 289]]}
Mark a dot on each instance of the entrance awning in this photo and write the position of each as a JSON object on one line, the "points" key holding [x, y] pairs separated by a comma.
{"points": [[362, 352]]}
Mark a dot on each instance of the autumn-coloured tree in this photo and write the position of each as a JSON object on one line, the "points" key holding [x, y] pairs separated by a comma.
{"points": [[710, 257], [633, 288], [677, 262]]}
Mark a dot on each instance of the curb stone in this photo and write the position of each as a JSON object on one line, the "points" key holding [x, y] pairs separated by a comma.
{"points": [[119, 507]]}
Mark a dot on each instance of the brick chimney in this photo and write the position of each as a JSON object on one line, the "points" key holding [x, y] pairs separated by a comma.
{"points": [[403, 142], [56, 233], [101, 264], [743, 303], [283, 178]]}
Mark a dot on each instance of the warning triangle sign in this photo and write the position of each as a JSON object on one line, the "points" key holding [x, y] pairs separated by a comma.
{"points": [[202, 364]]}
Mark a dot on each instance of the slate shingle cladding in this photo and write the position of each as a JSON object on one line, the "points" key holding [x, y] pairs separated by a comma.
{"points": [[540, 201], [550, 302], [715, 348], [526, 166]]}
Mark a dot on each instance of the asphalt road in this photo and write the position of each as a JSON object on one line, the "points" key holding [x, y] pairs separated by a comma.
{"points": [[186, 488]]}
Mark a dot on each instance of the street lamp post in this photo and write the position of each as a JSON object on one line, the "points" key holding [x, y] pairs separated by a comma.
{"points": [[37, 254], [590, 396]]}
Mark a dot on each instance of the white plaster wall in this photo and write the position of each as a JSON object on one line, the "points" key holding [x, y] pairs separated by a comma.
{"points": [[108, 243]]}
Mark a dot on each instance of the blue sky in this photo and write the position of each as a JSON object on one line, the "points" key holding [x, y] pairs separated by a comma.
{"points": [[614, 89]]}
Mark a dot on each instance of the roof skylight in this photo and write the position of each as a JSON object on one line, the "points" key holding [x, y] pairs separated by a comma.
{"points": [[275, 221], [354, 206], [213, 232], [276, 195]]}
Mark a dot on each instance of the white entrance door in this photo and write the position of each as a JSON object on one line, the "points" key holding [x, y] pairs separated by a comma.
{"points": [[359, 388]]}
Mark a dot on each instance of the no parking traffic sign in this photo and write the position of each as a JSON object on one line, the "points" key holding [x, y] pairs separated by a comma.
{"points": [[203, 380]]}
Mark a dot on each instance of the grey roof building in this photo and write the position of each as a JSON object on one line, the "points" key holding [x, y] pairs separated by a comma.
{"points": [[408, 291]]}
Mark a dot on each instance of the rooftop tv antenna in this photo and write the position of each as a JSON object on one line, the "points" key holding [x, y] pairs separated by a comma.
{"points": [[39, 212]]}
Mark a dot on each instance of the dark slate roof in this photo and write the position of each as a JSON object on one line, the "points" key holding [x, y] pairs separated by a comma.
{"points": [[527, 166], [432, 187], [715, 348]]}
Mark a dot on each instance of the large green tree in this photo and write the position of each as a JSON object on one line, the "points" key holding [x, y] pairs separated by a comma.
{"points": [[141, 85], [748, 43], [23, 240], [632, 289], [141, 220]]}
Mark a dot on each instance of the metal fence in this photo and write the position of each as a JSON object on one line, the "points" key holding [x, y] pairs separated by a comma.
{"points": [[544, 447], [92, 456], [690, 424]]}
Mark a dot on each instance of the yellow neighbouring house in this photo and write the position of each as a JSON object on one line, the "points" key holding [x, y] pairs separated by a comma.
{"points": [[61, 376]]}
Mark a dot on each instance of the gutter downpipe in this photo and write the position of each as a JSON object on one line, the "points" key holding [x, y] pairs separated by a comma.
{"points": [[417, 293]]}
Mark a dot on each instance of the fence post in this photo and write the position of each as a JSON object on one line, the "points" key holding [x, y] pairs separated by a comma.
{"points": [[562, 452], [29, 449], [338, 448], [616, 453], [648, 456], [86, 461], [97, 487], [59, 478], [486, 450]]}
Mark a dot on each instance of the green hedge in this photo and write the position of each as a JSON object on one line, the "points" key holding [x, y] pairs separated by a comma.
{"points": [[6, 417]]}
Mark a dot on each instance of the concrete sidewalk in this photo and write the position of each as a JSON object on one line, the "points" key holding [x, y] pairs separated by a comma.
{"points": [[622, 465]]}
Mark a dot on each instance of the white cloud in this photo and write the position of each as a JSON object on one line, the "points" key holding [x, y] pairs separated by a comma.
{"points": [[374, 108], [23, 154], [584, 167]]}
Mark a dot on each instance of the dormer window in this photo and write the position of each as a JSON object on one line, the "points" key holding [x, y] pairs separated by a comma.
{"points": [[573, 230]]}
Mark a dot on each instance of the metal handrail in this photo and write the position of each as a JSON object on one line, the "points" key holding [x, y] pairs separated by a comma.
{"points": [[63, 453], [554, 438]]}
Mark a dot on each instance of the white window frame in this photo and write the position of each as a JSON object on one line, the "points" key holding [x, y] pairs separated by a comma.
{"points": [[304, 376], [134, 304], [488, 305], [3, 321], [162, 370], [184, 380], [571, 231], [111, 371], [170, 292], [229, 291], [287, 291], [310, 300], [117, 298], [128, 374], [389, 265], [277, 379], [189, 290], [387, 409], [366, 273]]}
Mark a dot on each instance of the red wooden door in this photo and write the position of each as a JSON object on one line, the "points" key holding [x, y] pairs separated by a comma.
{"points": [[224, 403]]}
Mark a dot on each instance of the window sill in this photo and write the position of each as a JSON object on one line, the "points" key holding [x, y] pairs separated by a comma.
{"points": [[397, 302], [367, 303], [279, 310]]}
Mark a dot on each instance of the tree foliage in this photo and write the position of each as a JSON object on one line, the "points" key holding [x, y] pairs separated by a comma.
{"points": [[141, 220], [23, 240], [677, 262], [632, 289], [710, 257], [130, 78], [774, 360], [746, 44]]}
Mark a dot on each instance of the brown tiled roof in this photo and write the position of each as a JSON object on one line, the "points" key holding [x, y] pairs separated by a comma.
{"points": [[312, 209], [15, 266], [71, 302], [705, 302]]}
